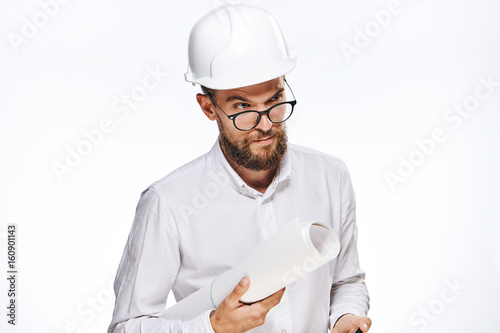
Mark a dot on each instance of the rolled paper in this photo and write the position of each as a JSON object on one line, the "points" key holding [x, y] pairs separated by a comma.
{"points": [[297, 249]]}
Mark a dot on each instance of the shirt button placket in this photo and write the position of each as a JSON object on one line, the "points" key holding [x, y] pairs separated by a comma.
{"points": [[268, 223]]}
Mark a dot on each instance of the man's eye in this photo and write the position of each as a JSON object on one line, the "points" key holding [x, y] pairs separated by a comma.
{"points": [[276, 98], [241, 106]]}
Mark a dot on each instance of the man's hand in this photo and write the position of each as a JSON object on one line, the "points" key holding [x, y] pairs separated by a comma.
{"points": [[232, 316], [349, 323]]}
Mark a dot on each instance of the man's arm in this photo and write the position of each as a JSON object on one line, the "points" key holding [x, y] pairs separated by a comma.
{"points": [[146, 273], [349, 294]]}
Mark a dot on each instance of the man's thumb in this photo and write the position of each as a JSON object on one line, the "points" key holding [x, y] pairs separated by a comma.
{"points": [[240, 289]]}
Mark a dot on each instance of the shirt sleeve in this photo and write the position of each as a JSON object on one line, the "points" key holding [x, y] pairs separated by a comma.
{"points": [[349, 293], [147, 271]]}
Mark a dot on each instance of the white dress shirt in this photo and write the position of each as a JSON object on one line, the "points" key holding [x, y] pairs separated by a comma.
{"points": [[202, 219]]}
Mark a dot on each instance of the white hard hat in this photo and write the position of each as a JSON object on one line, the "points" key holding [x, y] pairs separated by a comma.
{"points": [[236, 46]]}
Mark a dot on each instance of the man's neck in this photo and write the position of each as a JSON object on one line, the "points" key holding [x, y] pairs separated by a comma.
{"points": [[259, 180]]}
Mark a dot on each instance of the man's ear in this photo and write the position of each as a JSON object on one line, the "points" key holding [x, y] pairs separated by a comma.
{"points": [[206, 106]]}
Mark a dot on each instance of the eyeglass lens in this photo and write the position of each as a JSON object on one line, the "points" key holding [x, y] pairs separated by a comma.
{"points": [[277, 114]]}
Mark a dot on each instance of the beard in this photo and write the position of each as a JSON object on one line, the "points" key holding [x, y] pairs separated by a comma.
{"points": [[267, 157]]}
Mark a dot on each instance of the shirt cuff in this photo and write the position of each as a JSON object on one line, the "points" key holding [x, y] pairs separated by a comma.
{"points": [[206, 322]]}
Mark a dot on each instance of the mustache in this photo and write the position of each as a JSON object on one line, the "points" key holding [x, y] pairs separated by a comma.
{"points": [[262, 134]]}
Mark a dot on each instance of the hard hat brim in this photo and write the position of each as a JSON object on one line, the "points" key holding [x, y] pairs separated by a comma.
{"points": [[247, 77]]}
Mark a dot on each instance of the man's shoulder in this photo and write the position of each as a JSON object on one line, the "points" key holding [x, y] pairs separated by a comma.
{"points": [[306, 156], [189, 171]]}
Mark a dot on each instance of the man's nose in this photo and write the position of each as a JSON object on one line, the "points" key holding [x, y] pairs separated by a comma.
{"points": [[264, 124]]}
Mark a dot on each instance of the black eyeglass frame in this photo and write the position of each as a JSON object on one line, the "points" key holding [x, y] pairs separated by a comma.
{"points": [[260, 113]]}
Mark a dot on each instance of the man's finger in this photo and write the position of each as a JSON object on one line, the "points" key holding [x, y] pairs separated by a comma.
{"points": [[271, 301], [363, 323], [238, 291]]}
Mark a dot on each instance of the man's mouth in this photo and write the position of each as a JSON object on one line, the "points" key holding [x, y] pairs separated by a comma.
{"points": [[265, 140]]}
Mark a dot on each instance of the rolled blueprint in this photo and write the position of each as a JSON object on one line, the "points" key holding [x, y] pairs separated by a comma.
{"points": [[297, 249]]}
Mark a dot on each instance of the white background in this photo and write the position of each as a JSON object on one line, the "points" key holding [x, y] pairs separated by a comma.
{"points": [[437, 227]]}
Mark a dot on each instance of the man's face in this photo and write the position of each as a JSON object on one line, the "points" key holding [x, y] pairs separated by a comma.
{"points": [[262, 147]]}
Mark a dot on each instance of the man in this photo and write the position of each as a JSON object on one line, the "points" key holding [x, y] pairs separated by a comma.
{"points": [[205, 217]]}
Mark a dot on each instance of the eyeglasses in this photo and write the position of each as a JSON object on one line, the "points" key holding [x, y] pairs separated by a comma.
{"points": [[247, 120]]}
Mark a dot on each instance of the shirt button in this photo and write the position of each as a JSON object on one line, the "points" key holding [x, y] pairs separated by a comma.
{"points": [[283, 331], [242, 190]]}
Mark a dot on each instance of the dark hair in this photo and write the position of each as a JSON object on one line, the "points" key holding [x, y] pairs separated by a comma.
{"points": [[208, 91]]}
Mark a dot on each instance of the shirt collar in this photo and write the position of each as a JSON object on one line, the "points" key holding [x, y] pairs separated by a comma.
{"points": [[224, 169]]}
